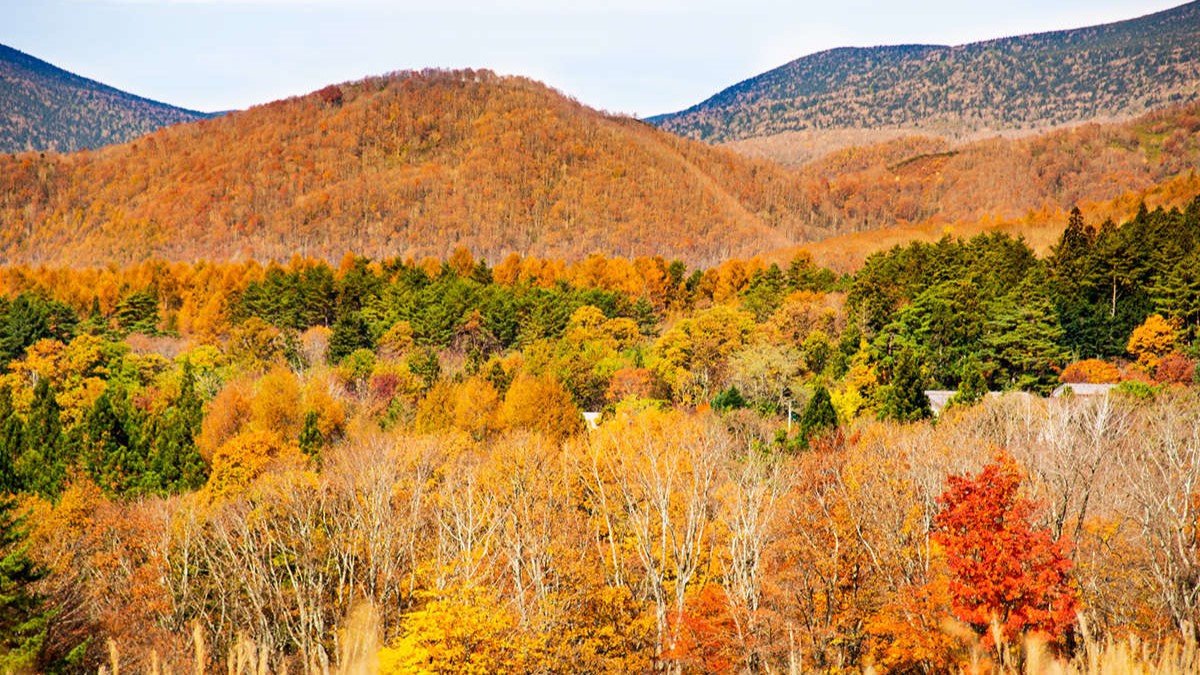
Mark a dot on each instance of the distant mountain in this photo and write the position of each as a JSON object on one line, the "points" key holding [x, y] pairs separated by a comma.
{"points": [[43, 107], [411, 164], [1031, 82]]}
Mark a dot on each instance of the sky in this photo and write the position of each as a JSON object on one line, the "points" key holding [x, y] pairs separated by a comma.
{"points": [[638, 57]]}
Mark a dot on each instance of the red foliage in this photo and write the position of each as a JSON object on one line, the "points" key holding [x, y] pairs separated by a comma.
{"points": [[1002, 568], [706, 634], [1175, 368], [331, 95]]}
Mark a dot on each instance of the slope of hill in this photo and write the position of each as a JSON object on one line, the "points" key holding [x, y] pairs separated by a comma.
{"points": [[46, 108], [1111, 71], [416, 164], [410, 164]]}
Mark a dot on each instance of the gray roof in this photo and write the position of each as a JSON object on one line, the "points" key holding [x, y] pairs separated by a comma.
{"points": [[1083, 389]]}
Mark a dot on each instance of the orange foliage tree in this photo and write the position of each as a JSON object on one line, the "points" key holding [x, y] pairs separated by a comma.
{"points": [[1005, 573]]}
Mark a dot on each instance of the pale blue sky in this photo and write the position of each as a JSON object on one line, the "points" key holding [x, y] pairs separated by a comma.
{"points": [[639, 57]]}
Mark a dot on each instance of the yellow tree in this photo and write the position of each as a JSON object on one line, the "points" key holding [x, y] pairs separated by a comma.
{"points": [[1151, 340]]}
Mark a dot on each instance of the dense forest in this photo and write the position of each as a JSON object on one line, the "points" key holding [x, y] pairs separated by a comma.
{"points": [[402, 165], [44, 108], [413, 164], [256, 467], [1038, 81]]}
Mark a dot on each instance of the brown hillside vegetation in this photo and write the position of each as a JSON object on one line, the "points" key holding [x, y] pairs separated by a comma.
{"points": [[919, 187], [409, 164], [418, 164]]}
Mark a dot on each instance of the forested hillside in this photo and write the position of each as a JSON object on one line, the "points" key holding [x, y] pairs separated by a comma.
{"points": [[385, 463], [46, 108], [410, 164], [1020, 83], [924, 187], [415, 164]]}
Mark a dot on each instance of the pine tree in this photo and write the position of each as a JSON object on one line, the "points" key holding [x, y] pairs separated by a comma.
{"points": [[24, 623], [116, 457], [972, 388], [818, 417], [311, 439], [1022, 344], [43, 465], [350, 333], [903, 399]]}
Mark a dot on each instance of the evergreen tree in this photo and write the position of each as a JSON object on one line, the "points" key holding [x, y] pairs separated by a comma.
{"points": [[24, 622], [1023, 341], [311, 438], [175, 462], [972, 388], [729, 399], [138, 313], [116, 457], [903, 399], [350, 333], [818, 417], [42, 467], [31, 318]]}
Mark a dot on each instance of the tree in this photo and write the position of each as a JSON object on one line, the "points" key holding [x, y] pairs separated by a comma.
{"points": [[43, 465], [818, 417], [1151, 341], [1023, 340], [903, 399], [311, 438], [1003, 569], [23, 620]]}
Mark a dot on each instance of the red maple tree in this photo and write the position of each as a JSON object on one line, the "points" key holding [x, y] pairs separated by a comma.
{"points": [[1003, 569]]}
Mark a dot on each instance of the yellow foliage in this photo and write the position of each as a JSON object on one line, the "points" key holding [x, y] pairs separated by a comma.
{"points": [[467, 631], [541, 404], [242, 459], [477, 407], [224, 417], [1151, 340], [276, 403]]}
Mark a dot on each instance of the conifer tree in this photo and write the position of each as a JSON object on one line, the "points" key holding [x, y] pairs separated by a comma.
{"points": [[311, 439], [43, 464], [24, 622], [903, 399], [818, 417]]}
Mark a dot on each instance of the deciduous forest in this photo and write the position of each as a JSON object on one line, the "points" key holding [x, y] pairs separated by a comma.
{"points": [[385, 462]]}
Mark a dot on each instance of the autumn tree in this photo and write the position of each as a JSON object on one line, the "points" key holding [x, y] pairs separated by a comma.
{"points": [[1151, 341], [1005, 572]]}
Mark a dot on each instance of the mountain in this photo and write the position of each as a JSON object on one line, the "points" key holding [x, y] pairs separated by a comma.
{"points": [[411, 164], [417, 164], [46, 108], [1013, 85]]}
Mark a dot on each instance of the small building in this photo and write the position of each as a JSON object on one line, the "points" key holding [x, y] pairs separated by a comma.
{"points": [[592, 419], [1082, 389], [938, 398]]}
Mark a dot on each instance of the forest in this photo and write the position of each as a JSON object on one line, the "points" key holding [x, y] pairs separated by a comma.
{"points": [[303, 467], [415, 164]]}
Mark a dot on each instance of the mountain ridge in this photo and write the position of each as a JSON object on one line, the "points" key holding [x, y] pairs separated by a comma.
{"points": [[1025, 82], [47, 108]]}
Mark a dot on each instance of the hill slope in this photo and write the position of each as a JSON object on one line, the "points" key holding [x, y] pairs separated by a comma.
{"points": [[1020, 83], [417, 164], [411, 164], [46, 108]]}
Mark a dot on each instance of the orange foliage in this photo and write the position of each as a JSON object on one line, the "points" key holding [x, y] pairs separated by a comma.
{"points": [[1090, 371]]}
